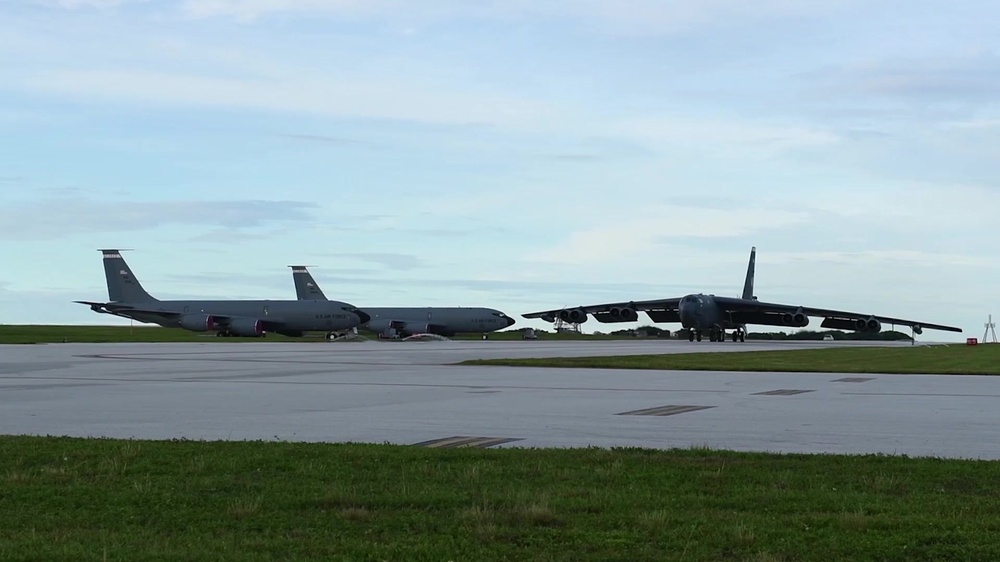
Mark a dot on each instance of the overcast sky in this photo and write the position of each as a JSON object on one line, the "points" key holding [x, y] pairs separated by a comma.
{"points": [[517, 154]]}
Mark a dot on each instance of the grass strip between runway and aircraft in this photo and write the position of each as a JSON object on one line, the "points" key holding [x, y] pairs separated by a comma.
{"points": [[925, 359], [90, 499], [26, 334], [32, 334]]}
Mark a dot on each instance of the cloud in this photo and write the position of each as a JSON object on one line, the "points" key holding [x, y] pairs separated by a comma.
{"points": [[889, 258], [321, 139], [239, 74], [576, 157], [969, 79], [55, 218], [665, 132], [453, 232], [599, 146], [230, 235], [223, 284], [18, 116], [82, 4], [915, 209], [632, 17], [903, 90], [388, 260], [638, 236], [975, 124], [306, 92]]}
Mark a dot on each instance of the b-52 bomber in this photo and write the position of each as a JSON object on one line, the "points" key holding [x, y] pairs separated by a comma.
{"points": [[228, 318], [700, 313], [408, 321]]}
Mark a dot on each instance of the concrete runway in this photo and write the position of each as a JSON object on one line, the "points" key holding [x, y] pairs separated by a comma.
{"points": [[406, 393]]}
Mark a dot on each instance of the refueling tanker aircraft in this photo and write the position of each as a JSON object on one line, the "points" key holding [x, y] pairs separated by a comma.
{"points": [[409, 321], [228, 318], [700, 313]]}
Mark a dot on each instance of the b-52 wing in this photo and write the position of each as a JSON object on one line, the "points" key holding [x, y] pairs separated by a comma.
{"points": [[733, 311], [746, 310], [658, 310]]}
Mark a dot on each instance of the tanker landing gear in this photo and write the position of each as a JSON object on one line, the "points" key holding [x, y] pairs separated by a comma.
{"points": [[228, 334], [740, 335], [694, 334]]}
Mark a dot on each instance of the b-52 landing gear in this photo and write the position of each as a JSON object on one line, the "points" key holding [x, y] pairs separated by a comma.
{"points": [[718, 335], [740, 335]]}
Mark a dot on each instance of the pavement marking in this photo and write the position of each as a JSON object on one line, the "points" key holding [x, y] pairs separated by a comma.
{"points": [[854, 379], [782, 392], [664, 410], [465, 441]]}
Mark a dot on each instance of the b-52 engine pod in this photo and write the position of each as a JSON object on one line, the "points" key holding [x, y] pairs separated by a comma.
{"points": [[623, 314], [575, 316], [870, 324], [797, 319]]}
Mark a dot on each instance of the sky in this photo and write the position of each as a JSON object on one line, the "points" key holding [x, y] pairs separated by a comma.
{"points": [[522, 155]]}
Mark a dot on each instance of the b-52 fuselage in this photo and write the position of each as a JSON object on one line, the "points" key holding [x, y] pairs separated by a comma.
{"points": [[715, 315], [408, 321]]}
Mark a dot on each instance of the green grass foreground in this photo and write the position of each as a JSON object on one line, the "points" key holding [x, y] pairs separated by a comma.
{"points": [[936, 359], [76, 499]]}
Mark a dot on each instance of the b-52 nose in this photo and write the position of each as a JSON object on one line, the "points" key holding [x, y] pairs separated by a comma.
{"points": [[689, 313]]}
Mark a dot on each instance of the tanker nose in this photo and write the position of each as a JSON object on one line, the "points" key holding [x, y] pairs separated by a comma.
{"points": [[363, 317], [510, 321]]}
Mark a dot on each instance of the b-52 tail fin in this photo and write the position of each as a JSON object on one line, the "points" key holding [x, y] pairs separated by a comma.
{"points": [[306, 288], [748, 284], [122, 283]]}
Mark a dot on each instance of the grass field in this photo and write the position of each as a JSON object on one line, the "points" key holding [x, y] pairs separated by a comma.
{"points": [[107, 334], [13, 334], [75, 499], [951, 359]]}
